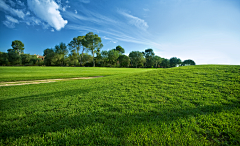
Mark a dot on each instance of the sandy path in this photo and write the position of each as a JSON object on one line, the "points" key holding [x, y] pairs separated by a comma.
{"points": [[42, 81]]}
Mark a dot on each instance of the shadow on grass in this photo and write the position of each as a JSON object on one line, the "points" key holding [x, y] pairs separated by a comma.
{"points": [[113, 121]]}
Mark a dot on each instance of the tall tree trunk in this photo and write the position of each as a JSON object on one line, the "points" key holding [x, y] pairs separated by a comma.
{"points": [[93, 59]]}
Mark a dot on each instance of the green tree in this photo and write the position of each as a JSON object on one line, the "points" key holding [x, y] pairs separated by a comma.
{"points": [[4, 59], [120, 49], [149, 55], [98, 58], [34, 60], [136, 58], [92, 43], [113, 56], [18, 46], [73, 58], [86, 58], [49, 57], [104, 55], [174, 61], [13, 57], [76, 44], [188, 62], [60, 53], [165, 63], [25, 59], [124, 60], [157, 60]]}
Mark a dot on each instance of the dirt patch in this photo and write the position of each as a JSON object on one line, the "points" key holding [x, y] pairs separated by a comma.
{"points": [[43, 81]]}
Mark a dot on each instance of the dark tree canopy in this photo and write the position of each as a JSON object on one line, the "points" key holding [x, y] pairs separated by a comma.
{"points": [[120, 49], [124, 60], [61, 49], [18, 46], [165, 63], [149, 55], [48, 51], [174, 61], [69, 55], [188, 62]]}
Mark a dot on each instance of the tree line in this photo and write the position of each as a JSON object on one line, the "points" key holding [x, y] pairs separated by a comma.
{"points": [[75, 53]]}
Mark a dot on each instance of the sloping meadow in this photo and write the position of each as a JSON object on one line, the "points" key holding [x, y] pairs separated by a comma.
{"points": [[195, 105]]}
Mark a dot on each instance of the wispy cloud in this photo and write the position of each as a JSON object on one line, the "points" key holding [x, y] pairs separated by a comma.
{"points": [[11, 19], [85, 1], [144, 9], [115, 35], [48, 11], [15, 12], [112, 27], [20, 3], [139, 23], [64, 8], [28, 13], [34, 21], [90, 17], [11, 3], [10, 22]]}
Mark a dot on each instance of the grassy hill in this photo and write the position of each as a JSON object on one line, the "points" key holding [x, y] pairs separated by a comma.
{"points": [[194, 105]]}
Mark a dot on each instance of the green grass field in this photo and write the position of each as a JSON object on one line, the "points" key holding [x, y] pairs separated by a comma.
{"points": [[194, 105], [37, 73]]}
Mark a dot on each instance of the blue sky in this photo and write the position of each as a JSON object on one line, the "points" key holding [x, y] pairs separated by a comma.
{"points": [[207, 31]]}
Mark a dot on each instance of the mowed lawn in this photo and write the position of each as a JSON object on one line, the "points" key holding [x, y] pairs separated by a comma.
{"points": [[37, 72], [194, 105]]}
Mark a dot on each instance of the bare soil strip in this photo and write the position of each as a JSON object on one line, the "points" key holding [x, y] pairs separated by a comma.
{"points": [[42, 81]]}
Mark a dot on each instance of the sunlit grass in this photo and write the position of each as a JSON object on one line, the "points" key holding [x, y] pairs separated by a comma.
{"points": [[195, 105], [37, 73]]}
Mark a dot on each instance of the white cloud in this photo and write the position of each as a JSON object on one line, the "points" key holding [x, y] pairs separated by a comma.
{"points": [[35, 21], [116, 35], [11, 19], [20, 3], [85, 1], [59, 2], [14, 12], [52, 30], [145, 9], [67, 1], [76, 12], [19, 13], [139, 23], [45, 26], [65, 7], [106, 38], [114, 42], [9, 24], [48, 10], [28, 13], [89, 16], [11, 3]]}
